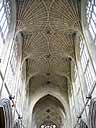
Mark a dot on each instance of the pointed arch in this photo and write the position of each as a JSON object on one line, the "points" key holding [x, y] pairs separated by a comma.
{"points": [[51, 97]]}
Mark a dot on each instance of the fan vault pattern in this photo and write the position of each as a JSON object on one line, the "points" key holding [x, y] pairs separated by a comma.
{"points": [[48, 28]]}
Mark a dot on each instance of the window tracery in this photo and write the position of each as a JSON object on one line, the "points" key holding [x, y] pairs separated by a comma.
{"points": [[91, 18], [4, 22], [86, 64]]}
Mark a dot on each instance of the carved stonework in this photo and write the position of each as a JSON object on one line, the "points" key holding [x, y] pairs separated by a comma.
{"points": [[5, 106]]}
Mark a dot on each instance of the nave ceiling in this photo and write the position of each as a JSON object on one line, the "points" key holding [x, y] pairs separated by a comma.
{"points": [[48, 28]]}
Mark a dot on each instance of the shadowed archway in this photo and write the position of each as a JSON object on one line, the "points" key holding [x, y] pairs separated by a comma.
{"points": [[48, 111]]}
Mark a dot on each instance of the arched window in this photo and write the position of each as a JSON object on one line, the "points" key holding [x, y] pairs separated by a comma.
{"points": [[86, 63], [4, 22], [48, 126], [91, 18]]}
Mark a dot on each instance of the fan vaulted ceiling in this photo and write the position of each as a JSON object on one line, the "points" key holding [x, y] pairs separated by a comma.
{"points": [[48, 28]]}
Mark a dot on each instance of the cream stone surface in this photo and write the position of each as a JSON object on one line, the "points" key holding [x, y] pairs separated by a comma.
{"points": [[48, 28], [49, 84]]}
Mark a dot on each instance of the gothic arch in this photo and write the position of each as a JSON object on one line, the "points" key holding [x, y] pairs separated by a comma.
{"points": [[53, 97], [53, 94], [50, 110]]}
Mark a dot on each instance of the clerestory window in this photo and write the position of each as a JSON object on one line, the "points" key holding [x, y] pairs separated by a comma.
{"points": [[91, 18], [86, 64], [4, 22]]}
